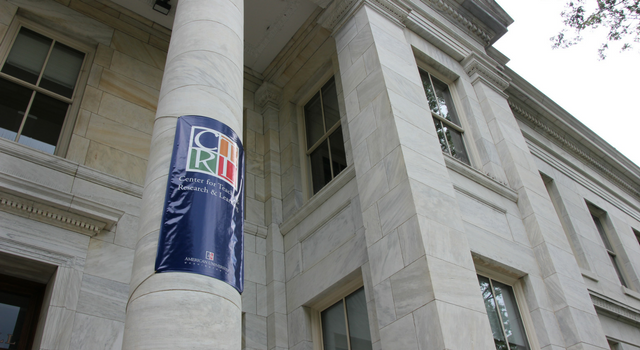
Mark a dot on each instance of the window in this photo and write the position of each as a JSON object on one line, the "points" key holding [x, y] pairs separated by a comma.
{"points": [[325, 146], [20, 303], [445, 117], [504, 317], [607, 244], [38, 81], [345, 324]]}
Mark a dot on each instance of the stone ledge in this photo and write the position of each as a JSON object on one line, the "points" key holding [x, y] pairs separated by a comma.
{"points": [[316, 201], [69, 167], [483, 179]]}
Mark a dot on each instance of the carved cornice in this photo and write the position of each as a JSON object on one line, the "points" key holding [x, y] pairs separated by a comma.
{"points": [[268, 95], [462, 20], [575, 149], [56, 217], [478, 69], [617, 310]]}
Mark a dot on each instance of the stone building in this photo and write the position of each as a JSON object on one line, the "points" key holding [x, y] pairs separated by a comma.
{"points": [[404, 188]]}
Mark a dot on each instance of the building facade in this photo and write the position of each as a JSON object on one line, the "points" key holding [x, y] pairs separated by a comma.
{"points": [[404, 189]]}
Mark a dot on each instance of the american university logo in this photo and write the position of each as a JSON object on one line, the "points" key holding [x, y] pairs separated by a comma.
{"points": [[213, 153]]}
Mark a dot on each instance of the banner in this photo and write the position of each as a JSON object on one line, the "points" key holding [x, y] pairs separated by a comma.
{"points": [[203, 218]]}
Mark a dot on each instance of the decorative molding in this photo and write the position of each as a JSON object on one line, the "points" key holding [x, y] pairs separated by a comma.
{"points": [[461, 19], [485, 180], [58, 208], [60, 218], [613, 308], [268, 96], [478, 69], [575, 149]]}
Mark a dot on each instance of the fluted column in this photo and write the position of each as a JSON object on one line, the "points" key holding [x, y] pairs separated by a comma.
{"points": [[203, 76]]}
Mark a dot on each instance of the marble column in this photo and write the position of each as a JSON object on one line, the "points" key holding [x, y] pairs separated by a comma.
{"points": [[203, 76], [424, 281]]}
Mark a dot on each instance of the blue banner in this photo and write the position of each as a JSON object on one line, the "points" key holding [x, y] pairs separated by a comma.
{"points": [[203, 218]]}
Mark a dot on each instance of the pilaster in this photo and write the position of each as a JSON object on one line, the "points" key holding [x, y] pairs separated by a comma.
{"points": [[268, 98], [568, 298], [422, 274]]}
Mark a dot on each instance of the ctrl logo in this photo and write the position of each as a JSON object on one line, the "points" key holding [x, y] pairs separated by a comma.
{"points": [[209, 255], [213, 153]]}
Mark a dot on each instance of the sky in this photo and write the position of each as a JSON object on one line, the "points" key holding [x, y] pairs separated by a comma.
{"points": [[602, 94]]}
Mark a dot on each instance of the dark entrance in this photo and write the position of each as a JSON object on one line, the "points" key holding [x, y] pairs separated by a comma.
{"points": [[20, 303]]}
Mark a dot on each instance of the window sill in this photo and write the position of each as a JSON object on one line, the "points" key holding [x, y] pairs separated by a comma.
{"points": [[479, 177], [318, 199], [630, 292], [590, 275]]}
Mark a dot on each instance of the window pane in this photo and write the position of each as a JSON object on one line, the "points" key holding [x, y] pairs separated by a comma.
{"points": [[507, 306], [27, 56], [14, 100], [492, 312], [62, 70], [43, 125], [603, 234], [456, 145], [13, 310], [614, 262], [313, 120], [338, 157], [447, 109], [320, 167], [334, 329], [330, 104], [428, 90], [359, 334]]}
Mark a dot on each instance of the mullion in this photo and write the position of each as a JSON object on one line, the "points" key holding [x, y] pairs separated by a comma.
{"points": [[34, 87], [26, 115], [504, 332], [346, 316], [46, 61], [449, 123], [326, 136], [433, 89]]}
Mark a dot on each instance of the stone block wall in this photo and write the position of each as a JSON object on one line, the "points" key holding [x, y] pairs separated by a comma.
{"points": [[113, 126]]}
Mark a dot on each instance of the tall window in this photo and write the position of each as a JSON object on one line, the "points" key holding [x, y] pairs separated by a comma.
{"points": [[325, 146], [608, 246], [504, 317], [38, 80], [345, 324], [445, 117]]}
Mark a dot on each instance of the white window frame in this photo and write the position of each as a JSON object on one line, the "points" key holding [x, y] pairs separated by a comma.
{"points": [[327, 299], [516, 284], [616, 259], [463, 128], [75, 101], [308, 93]]}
